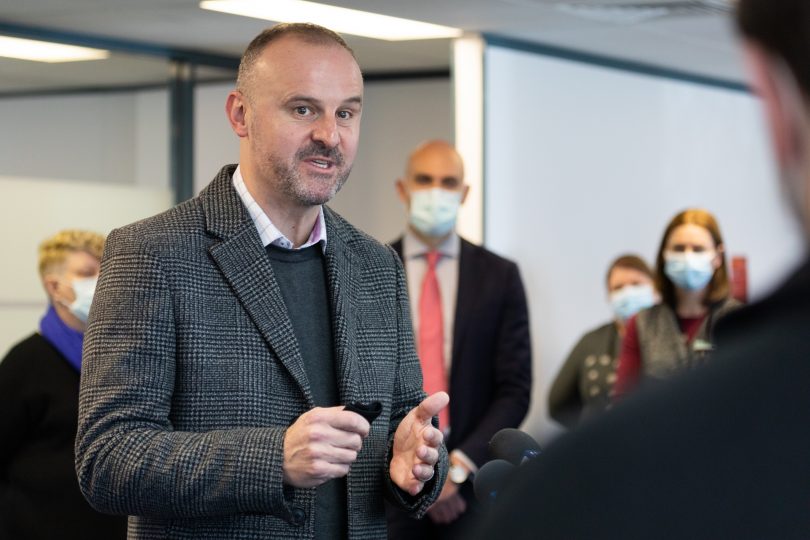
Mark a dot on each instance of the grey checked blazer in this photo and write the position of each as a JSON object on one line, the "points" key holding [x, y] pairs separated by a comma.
{"points": [[192, 374]]}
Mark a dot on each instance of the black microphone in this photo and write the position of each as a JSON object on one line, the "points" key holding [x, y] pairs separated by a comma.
{"points": [[514, 446], [490, 478]]}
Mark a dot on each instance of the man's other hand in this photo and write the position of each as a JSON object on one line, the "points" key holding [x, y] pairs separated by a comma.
{"points": [[321, 445]]}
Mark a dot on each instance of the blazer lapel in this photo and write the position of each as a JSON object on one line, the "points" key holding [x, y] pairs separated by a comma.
{"points": [[465, 295], [242, 259], [342, 277]]}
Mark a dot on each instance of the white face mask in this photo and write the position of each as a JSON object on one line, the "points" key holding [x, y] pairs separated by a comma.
{"points": [[84, 289], [690, 271], [434, 211], [631, 299]]}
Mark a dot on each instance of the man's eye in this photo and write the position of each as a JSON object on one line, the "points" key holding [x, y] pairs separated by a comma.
{"points": [[303, 111], [345, 115]]}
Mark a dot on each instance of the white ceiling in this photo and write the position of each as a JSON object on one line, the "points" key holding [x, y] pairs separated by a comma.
{"points": [[701, 44]]}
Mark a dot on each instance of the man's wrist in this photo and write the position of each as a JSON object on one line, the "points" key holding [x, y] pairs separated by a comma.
{"points": [[460, 467]]}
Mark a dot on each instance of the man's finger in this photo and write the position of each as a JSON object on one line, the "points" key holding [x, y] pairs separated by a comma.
{"points": [[344, 420], [431, 406], [432, 437], [422, 472], [428, 455]]}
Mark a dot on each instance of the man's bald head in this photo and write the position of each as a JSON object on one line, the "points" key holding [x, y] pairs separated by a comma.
{"points": [[434, 152], [312, 34]]}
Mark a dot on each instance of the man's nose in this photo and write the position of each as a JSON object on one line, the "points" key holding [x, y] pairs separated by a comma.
{"points": [[325, 131]]}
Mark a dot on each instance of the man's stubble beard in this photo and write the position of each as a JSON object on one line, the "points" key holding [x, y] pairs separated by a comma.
{"points": [[293, 186], [290, 183]]}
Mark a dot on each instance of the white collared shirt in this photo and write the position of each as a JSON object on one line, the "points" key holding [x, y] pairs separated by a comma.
{"points": [[414, 255], [268, 232]]}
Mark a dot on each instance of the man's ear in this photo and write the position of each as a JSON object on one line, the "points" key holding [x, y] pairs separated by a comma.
{"points": [[465, 192], [236, 110], [402, 192], [785, 106]]}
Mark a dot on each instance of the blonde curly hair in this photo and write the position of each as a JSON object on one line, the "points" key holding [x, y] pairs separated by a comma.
{"points": [[54, 250]]}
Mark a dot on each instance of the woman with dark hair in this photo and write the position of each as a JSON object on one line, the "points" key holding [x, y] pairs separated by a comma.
{"points": [[692, 277], [583, 385]]}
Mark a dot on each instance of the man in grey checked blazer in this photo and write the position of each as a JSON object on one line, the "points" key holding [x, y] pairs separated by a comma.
{"points": [[202, 410]]}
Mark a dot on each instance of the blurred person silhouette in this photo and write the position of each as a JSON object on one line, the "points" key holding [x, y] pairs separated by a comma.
{"points": [[39, 400], [692, 277], [472, 329], [721, 452], [584, 384]]}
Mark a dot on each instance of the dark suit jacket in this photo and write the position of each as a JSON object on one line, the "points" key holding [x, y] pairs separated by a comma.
{"points": [[192, 374], [491, 369], [721, 452]]}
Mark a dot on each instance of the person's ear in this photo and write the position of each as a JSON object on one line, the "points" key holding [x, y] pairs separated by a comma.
{"points": [[465, 192], [402, 192], [718, 256], [236, 110], [785, 105], [53, 285]]}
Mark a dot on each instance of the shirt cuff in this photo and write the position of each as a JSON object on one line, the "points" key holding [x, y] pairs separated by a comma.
{"points": [[458, 455]]}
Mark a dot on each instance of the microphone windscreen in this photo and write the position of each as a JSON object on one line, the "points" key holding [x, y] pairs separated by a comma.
{"points": [[513, 445], [490, 478]]}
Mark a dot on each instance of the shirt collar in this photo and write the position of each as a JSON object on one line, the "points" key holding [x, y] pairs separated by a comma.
{"points": [[413, 247], [269, 233]]}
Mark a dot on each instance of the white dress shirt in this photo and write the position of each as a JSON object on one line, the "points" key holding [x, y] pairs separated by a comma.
{"points": [[268, 232]]}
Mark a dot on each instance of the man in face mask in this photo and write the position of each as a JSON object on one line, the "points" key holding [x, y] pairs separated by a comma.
{"points": [[471, 328], [721, 452], [39, 400]]}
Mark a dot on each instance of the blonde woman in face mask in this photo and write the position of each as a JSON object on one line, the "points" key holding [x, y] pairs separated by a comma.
{"points": [[583, 385], [39, 385], [692, 277]]}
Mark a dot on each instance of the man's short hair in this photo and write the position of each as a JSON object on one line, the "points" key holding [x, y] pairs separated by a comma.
{"points": [[309, 33], [54, 250], [782, 27]]}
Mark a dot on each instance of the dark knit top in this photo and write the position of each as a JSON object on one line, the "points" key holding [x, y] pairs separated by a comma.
{"points": [[39, 492], [302, 279]]}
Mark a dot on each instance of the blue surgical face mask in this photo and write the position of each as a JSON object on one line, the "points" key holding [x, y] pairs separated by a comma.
{"points": [[689, 271], [631, 299], [84, 289], [434, 211]]}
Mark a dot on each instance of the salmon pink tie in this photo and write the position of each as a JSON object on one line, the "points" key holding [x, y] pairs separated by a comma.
{"points": [[431, 336]]}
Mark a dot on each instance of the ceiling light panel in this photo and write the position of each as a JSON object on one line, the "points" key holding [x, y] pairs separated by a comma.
{"points": [[44, 51], [343, 20]]}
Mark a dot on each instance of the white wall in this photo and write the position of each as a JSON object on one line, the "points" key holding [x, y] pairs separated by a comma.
{"points": [[397, 115], [118, 138], [584, 163], [215, 144]]}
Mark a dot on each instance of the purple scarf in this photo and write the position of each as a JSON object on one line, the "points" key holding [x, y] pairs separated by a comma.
{"points": [[66, 340]]}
